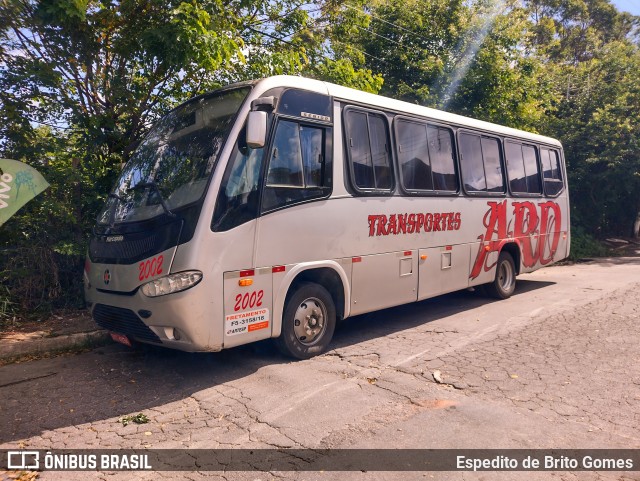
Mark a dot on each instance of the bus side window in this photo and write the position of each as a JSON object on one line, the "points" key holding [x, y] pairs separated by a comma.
{"points": [[413, 156], [532, 169], [522, 167], [367, 138], [552, 173], [471, 163], [425, 157], [442, 159], [481, 165], [492, 165], [515, 167], [239, 194], [299, 165]]}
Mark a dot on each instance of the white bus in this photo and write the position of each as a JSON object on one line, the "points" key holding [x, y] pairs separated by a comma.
{"points": [[275, 208]]}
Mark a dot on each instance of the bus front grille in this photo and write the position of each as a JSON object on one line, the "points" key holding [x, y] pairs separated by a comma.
{"points": [[123, 321], [128, 247], [124, 250]]}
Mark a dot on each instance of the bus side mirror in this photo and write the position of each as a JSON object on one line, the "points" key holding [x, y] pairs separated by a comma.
{"points": [[256, 129]]}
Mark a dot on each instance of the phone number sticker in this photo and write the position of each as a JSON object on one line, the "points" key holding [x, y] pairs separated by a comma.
{"points": [[244, 322]]}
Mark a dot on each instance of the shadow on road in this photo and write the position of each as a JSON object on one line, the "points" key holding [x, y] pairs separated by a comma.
{"points": [[112, 381], [612, 261], [381, 323]]}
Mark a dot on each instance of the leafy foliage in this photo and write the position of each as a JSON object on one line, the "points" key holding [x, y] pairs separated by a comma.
{"points": [[81, 81], [593, 59], [139, 418], [584, 245], [467, 57]]}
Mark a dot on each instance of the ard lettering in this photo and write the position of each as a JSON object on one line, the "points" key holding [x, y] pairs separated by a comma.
{"points": [[536, 228]]}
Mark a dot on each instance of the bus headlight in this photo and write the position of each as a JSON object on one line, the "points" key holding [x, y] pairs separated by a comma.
{"points": [[171, 283]]}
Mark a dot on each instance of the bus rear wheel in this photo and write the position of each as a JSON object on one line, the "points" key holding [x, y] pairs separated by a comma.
{"points": [[308, 322], [504, 284]]}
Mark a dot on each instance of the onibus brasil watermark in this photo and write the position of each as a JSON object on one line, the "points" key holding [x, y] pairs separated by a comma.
{"points": [[321, 459]]}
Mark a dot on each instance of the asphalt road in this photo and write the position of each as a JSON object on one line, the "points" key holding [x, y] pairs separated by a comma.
{"points": [[555, 366]]}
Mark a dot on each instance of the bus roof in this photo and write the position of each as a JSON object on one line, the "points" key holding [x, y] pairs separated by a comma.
{"points": [[382, 102]]}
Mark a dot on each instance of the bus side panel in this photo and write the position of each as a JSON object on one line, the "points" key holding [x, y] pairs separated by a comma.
{"points": [[565, 242], [383, 280], [563, 227], [347, 227], [488, 271], [443, 269], [214, 253], [542, 231], [248, 308], [538, 226]]}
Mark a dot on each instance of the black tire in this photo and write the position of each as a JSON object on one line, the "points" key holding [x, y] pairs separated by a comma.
{"points": [[504, 284], [311, 333]]}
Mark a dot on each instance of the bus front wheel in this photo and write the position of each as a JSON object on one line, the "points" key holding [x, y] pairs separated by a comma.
{"points": [[308, 322], [505, 282]]}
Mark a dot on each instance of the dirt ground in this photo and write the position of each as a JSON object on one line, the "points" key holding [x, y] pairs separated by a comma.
{"points": [[61, 322]]}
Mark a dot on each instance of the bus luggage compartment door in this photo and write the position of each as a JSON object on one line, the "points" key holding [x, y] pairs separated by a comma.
{"points": [[383, 280], [247, 306], [443, 269]]}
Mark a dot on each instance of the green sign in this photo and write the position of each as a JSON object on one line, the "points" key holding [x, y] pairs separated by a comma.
{"points": [[19, 183]]}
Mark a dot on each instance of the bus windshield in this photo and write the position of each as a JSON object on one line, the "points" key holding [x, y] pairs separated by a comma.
{"points": [[172, 165]]}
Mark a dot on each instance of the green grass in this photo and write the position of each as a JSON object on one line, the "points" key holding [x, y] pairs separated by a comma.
{"points": [[584, 245]]}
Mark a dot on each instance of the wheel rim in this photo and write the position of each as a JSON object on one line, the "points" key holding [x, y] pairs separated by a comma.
{"points": [[309, 321], [505, 276]]}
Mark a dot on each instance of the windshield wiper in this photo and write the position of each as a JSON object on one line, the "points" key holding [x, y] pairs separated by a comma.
{"points": [[153, 186]]}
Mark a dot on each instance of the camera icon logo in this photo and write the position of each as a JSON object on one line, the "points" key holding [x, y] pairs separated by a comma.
{"points": [[23, 460]]}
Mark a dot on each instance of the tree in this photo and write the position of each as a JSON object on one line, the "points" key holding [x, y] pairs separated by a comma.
{"points": [[574, 31], [599, 122], [108, 69], [81, 81], [593, 58], [466, 57]]}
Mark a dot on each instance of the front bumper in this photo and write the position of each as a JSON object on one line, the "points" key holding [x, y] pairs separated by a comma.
{"points": [[177, 321]]}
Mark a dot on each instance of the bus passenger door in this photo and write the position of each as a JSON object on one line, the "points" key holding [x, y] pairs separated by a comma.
{"points": [[443, 269], [383, 280]]}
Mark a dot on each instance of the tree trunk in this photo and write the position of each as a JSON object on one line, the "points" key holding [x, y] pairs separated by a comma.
{"points": [[636, 227]]}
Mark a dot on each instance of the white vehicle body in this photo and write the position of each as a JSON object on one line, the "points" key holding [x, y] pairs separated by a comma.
{"points": [[363, 224]]}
